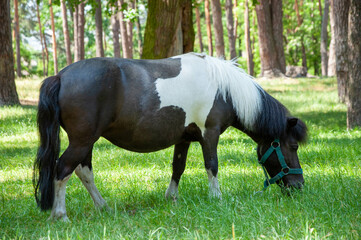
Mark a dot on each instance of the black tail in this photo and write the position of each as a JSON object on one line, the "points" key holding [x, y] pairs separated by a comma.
{"points": [[49, 125]]}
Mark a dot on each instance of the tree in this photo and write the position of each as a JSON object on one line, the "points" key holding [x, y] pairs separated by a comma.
{"points": [[169, 29], [8, 94], [249, 53], [126, 45], [17, 38], [218, 27], [340, 14], [139, 30], [45, 71], [209, 29], [98, 29], [354, 65], [115, 30], [324, 56], [199, 30], [299, 23], [230, 29], [55, 57], [66, 32], [79, 23], [270, 28], [331, 68]]}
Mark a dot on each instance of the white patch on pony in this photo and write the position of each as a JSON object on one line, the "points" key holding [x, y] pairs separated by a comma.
{"points": [[87, 178], [58, 210], [196, 86], [191, 90], [172, 191], [214, 190]]}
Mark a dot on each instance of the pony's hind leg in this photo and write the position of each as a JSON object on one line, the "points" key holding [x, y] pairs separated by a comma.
{"points": [[179, 163], [65, 166], [85, 173]]}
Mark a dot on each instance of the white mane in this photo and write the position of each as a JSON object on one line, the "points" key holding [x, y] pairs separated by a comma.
{"points": [[240, 87]]}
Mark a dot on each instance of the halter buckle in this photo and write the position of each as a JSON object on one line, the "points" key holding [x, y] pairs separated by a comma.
{"points": [[275, 144], [285, 170]]}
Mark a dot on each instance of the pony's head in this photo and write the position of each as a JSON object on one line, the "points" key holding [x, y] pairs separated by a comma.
{"points": [[279, 156]]}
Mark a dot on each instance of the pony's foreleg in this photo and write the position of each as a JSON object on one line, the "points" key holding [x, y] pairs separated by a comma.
{"points": [[209, 148], [179, 164], [85, 173]]}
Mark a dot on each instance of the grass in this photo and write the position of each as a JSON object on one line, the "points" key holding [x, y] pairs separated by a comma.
{"points": [[134, 184]]}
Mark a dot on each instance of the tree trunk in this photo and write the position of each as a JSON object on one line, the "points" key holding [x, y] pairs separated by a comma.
{"points": [[340, 10], [127, 51], [169, 29], [271, 49], [199, 32], [324, 57], [99, 50], [188, 34], [277, 26], [230, 29], [249, 54], [115, 30], [76, 35], [55, 57], [354, 80], [299, 23], [8, 94], [209, 29], [218, 27], [139, 30], [17, 39], [130, 29], [331, 69], [81, 25], [66, 32], [41, 37]]}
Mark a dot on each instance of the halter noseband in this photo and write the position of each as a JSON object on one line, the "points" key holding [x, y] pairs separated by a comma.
{"points": [[276, 146]]}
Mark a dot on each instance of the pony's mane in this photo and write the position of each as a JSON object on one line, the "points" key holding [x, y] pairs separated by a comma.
{"points": [[235, 83], [258, 111]]}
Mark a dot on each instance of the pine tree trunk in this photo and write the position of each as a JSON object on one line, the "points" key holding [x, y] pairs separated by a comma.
{"points": [[66, 32], [249, 54], [324, 57], [332, 49], [340, 10], [277, 26], [169, 29], [272, 64], [139, 30], [188, 34], [127, 53], [230, 29], [76, 35], [81, 25], [99, 50], [130, 30], [235, 28], [209, 29], [354, 80], [55, 57], [115, 30], [8, 94], [199, 32], [17, 39], [41, 37], [218, 27]]}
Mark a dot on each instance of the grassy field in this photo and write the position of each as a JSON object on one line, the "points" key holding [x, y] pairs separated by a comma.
{"points": [[134, 184]]}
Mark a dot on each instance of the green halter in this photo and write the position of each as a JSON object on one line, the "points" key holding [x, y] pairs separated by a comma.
{"points": [[276, 146]]}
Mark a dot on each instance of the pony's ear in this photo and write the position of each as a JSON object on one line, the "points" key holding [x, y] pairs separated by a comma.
{"points": [[291, 122]]}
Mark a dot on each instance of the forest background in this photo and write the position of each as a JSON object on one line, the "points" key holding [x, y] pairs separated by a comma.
{"points": [[302, 25]]}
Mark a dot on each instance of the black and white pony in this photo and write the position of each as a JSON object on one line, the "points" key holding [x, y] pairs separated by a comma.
{"points": [[149, 105]]}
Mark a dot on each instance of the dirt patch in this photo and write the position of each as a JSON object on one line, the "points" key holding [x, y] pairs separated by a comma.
{"points": [[28, 102]]}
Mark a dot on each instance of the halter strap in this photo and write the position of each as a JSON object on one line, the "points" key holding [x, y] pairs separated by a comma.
{"points": [[276, 146]]}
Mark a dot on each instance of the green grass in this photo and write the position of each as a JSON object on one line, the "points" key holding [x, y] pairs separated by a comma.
{"points": [[134, 184]]}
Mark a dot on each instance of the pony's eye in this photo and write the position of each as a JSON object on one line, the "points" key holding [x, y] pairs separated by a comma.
{"points": [[294, 146]]}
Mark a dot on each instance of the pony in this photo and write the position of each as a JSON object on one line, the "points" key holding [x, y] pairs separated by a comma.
{"points": [[149, 105]]}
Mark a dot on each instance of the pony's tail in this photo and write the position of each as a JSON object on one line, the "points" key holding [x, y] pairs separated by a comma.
{"points": [[48, 121]]}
